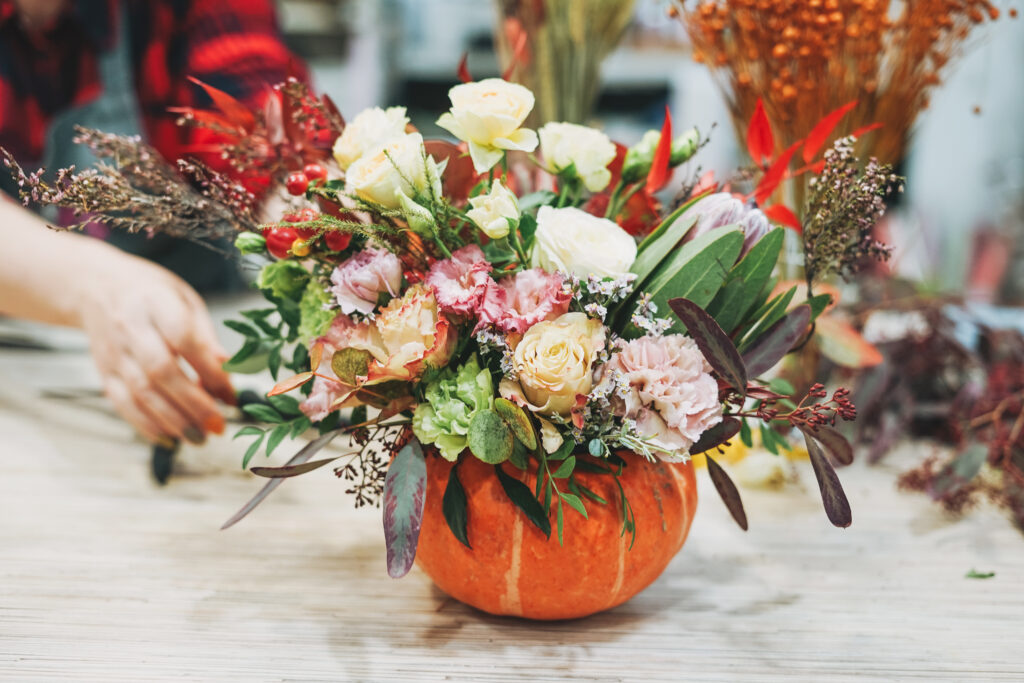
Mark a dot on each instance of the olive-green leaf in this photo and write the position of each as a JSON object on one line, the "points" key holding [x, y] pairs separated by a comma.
{"points": [[745, 281], [349, 364], [518, 421], [520, 495], [453, 505], [490, 439]]}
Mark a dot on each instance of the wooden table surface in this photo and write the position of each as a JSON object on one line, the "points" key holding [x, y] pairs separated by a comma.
{"points": [[106, 576]]}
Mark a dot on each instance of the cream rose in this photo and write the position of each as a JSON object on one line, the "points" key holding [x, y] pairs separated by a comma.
{"points": [[555, 363], [394, 168], [371, 129], [588, 150], [576, 242], [491, 211], [488, 114]]}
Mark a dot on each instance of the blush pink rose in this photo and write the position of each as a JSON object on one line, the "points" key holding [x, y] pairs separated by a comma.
{"points": [[359, 280], [460, 282], [517, 303], [670, 391]]}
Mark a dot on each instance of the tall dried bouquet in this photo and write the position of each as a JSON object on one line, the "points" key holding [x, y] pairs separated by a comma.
{"points": [[805, 58]]}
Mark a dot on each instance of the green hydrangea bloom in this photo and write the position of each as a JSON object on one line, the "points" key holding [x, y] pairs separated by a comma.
{"points": [[314, 320], [285, 279], [452, 401]]}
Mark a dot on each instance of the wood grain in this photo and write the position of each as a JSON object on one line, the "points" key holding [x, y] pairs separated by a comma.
{"points": [[105, 576]]}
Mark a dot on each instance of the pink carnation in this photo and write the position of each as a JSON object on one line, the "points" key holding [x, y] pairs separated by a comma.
{"points": [[519, 302], [669, 389], [459, 282], [362, 278]]}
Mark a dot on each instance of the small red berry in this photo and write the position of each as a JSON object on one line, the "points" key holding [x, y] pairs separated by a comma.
{"points": [[280, 240], [315, 172], [297, 183], [337, 240]]}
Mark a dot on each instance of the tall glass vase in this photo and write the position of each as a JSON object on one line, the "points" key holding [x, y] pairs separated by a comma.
{"points": [[555, 48]]}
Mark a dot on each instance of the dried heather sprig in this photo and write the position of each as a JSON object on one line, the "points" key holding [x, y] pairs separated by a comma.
{"points": [[845, 204]]}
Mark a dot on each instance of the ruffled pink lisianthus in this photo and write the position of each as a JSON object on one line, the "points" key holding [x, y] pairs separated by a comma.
{"points": [[669, 390], [517, 303], [460, 282], [318, 404], [359, 280]]}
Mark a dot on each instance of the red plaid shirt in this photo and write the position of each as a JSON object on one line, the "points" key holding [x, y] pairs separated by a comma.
{"points": [[234, 45]]}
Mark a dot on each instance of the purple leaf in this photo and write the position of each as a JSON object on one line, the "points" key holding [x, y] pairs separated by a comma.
{"points": [[713, 342], [307, 452], [834, 443], [777, 340], [717, 435], [405, 490], [291, 470], [837, 507], [727, 490]]}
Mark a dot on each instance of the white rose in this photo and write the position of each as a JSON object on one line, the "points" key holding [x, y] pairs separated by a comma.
{"points": [[488, 114], [391, 170], [371, 129], [566, 144], [491, 211], [574, 241]]}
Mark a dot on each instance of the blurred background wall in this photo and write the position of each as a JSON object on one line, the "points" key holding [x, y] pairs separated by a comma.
{"points": [[965, 169]]}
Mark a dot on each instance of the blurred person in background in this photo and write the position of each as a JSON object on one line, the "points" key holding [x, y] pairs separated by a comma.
{"points": [[117, 66]]}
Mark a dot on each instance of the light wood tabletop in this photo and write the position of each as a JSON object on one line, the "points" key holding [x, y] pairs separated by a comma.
{"points": [[106, 576]]}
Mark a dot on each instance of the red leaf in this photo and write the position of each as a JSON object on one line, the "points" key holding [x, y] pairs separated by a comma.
{"points": [[463, 70], [823, 130], [705, 185], [518, 54], [780, 213], [286, 385], [865, 129], [775, 173], [657, 177], [235, 111], [760, 141]]}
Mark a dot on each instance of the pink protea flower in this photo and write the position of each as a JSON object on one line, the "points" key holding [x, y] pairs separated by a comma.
{"points": [[359, 280], [460, 282], [669, 390], [517, 303], [721, 209]]}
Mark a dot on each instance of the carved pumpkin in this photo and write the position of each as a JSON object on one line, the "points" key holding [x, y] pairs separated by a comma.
{"points": [[514, 569]]}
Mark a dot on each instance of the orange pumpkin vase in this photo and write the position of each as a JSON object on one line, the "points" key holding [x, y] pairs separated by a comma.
{"points": [[514, 569]]}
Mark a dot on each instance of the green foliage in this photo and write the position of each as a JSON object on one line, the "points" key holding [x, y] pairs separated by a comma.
{"points": [[521, 496], [490, 438], [453, 506], [518, 421], [771, 313], [349, 364], [314, 319], [451, 401], [746, 281], [285, 279]]}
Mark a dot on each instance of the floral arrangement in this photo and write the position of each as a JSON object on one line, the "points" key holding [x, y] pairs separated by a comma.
{"points": [[520, 297]]}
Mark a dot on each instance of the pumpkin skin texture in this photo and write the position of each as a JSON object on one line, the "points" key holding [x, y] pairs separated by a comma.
{"points": [[513, 569]]}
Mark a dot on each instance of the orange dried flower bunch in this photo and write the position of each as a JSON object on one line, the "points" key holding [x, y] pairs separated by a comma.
{"points": [[805, 58]]}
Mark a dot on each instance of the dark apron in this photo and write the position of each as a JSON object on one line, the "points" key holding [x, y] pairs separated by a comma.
{"points": [[116, 110]]}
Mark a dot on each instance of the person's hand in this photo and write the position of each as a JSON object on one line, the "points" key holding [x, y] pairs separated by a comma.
{"points": [[143, 322]]}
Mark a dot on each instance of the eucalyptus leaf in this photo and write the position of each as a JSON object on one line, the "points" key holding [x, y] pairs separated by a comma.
{"points": [[713, 342], [453, 505], [727, 491], [837, 507], [521, 496], [405, 488], [490, 439]]}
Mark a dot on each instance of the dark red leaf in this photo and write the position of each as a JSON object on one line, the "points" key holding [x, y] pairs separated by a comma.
{"points": [[834, 443], [759, 392], [235, 111], [780, 213], [658, 176], [760, 141], [717, 435], [463, 70], [712, 341], [822, 131], [774, 175], [837, 507], [405, 489], [291, 470], [727, 490], [777, 340]]}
